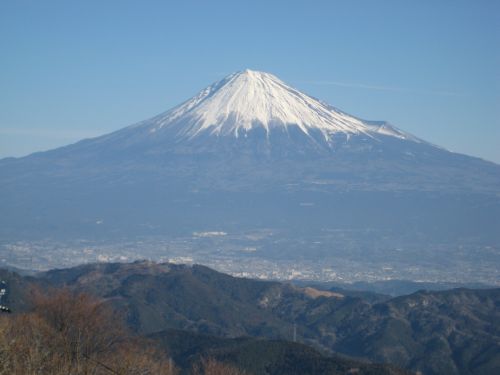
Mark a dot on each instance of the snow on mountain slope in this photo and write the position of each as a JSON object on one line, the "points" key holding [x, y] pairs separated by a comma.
{"points": [[251, 152], [249, 99]]}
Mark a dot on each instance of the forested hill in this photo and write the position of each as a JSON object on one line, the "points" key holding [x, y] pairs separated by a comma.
{"points": [[453, 332]]}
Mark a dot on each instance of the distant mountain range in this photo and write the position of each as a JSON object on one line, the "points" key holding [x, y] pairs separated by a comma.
{"points": [[252, 153], [447, 332]]}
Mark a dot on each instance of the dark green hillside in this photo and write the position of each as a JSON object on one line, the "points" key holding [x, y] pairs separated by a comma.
{"points": [[262, 357], [452, 332], [160, 296]]}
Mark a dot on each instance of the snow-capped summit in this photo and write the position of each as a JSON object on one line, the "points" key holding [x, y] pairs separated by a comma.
{"points": [[247, 100], [250, 154]]}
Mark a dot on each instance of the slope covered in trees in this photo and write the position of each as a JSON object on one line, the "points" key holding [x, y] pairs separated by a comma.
{"points": [[453, 332]]}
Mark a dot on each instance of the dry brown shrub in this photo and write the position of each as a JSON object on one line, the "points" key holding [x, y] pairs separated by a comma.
{"points": [[141, 357], [83, 326], [77, 334], [210, 366]]}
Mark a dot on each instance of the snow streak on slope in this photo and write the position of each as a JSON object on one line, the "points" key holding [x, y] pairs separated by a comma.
{"points": [[249, 99]]}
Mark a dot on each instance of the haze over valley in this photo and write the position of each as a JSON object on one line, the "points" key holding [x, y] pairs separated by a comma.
{"points": [[252, 169]]}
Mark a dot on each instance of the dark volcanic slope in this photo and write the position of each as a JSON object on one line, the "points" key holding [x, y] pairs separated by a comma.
{"points": [[452, 332], [158, 191]]}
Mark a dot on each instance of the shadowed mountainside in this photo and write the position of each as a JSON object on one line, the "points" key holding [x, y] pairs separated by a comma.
{"points": [[453, 332], [262, 357]]}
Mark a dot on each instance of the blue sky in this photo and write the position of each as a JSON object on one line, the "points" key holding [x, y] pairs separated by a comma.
{"points": [[70, 70]]}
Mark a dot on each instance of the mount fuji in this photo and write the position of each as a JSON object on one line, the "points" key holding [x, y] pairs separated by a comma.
{"points": [[252, 152], [253, 110]]}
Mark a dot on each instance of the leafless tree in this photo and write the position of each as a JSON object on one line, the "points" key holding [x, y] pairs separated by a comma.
{"points": [[77, 334]]}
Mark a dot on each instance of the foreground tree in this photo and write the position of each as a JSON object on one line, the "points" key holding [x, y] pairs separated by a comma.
{"points": [[74, 334]]}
